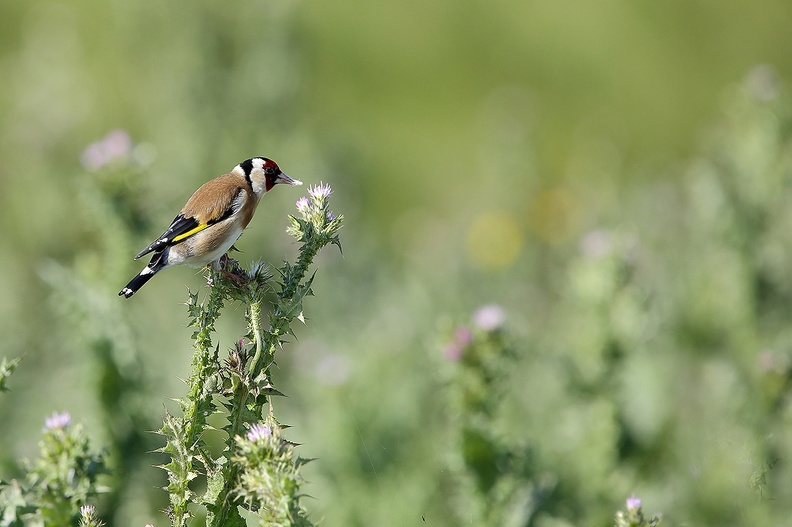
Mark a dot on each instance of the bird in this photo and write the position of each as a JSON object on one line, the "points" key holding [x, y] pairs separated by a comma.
{"points": [[211, 220]]}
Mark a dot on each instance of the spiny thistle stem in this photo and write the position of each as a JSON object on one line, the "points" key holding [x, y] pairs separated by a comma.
{"points": [[243, 383], [184, 434]]}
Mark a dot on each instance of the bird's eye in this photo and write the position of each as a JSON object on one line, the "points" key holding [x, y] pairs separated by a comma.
{"points": [[269, 171]]}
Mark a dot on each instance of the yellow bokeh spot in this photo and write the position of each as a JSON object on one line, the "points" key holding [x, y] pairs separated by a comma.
{"points": [[494, 240], [554, 215]]}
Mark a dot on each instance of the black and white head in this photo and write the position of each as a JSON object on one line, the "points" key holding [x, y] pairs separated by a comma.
{"points": [[263, 174]]}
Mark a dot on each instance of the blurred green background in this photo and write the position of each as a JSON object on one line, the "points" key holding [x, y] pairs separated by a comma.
{"points": [[615, 175]]}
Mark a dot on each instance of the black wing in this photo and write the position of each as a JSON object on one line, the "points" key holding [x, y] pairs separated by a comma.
{"points": [[178, 227]]}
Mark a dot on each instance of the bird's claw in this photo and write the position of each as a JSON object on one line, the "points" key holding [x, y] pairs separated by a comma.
{"points": [[230, 268]]}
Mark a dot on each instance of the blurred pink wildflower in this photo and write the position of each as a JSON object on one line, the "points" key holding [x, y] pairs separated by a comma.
{"points": [[462, 337], [115, 145], [489, 317]]}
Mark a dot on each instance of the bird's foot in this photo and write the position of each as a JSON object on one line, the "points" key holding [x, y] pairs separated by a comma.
{"points": [[238, 279], [231, 269]]}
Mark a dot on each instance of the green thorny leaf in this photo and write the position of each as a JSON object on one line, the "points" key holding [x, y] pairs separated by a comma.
{"points": [[13, 504], [243, 382], [180, 470]]}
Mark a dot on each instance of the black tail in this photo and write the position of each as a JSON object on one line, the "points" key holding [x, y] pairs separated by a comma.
{"points": [[155, 265]]}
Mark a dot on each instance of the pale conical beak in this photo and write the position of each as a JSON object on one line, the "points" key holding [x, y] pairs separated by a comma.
{"points": [[283, 178]]}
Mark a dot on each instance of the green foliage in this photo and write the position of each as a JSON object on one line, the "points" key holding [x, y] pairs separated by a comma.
{"points": [[583, 169], [497, 481], [93, 326], [58, 482]]}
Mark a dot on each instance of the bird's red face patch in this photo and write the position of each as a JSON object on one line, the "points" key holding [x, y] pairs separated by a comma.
{"points": [[271, 172]]}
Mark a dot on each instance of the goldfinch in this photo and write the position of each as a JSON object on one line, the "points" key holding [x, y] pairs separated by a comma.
{"points": [[211, 220]]}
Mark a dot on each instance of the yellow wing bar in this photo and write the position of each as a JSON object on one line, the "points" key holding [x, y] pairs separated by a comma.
{"points": [[199, 228]]}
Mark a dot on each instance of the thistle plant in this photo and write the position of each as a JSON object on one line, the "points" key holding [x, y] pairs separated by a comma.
{"points": [[269, 475], [58, 483], [257, 469], [634, 516], [494, 476]]}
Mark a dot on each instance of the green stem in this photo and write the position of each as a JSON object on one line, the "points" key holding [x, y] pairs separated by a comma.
{"points": [[224, 504], [307, 253], [254, 314]]}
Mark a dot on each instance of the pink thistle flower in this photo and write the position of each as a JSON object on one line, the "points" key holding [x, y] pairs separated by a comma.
{"points": [[463, 336], [453, 352], [303, 204], [57, 421], [258, 432], [320, 191], [489, 317]]}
